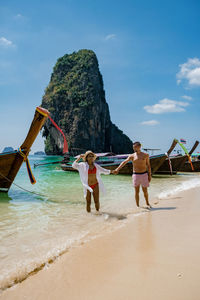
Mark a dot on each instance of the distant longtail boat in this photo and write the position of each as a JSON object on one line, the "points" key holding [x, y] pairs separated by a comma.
{"points": [[177, 163], [112, 162]]}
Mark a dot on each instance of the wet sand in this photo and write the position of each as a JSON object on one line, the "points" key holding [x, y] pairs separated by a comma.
{"points": [[155, 255]]}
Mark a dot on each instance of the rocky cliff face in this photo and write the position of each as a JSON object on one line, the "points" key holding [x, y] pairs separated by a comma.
{"points": [[76, 99]]}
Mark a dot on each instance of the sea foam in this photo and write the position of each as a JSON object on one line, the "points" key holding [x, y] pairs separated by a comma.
{"points": [[183, 186]]}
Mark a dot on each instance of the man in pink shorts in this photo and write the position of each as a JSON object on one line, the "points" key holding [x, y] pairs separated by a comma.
{"points": [[141, 171]]}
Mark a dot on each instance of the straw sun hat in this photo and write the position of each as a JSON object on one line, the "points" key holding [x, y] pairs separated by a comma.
{"points": [[87, 153]]}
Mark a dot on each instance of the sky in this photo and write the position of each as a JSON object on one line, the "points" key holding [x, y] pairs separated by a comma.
{"points": [[148, 53]]}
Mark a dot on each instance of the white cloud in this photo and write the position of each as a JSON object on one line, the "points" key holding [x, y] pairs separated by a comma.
{"points": [[110, 37], [189, 72], [166, 106], [4, 42], [187, 97], [150, 123], [18, 16]]}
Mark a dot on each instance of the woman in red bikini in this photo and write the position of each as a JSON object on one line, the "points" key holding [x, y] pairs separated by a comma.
{"points": [[90, 177]]}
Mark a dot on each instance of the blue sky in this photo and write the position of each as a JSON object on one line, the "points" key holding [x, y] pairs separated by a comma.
{"points": [[148, 52]]}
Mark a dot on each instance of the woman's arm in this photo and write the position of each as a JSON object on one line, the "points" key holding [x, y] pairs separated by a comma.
{"points": [[75, 164], [102, 170]]}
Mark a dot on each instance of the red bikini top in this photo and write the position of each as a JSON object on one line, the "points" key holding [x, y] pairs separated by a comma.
{"points": [[92, 171]]}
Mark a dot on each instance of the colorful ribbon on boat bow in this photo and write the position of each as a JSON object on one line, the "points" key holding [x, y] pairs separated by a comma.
{"points": [[170, 164], [30, 173], [186, 152], [46, 114], [65, 147]]}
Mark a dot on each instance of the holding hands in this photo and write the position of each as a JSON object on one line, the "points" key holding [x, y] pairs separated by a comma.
{"points": [[114, 172]]}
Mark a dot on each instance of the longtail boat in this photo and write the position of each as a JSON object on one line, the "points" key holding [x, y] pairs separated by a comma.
{"points": [[10, 162], [177, 162], [195, 163], [113, 162], [187, 166]]}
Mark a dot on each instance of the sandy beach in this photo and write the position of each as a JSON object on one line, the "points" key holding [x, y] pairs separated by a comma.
{"points": [[99, 150], [155, 255]]}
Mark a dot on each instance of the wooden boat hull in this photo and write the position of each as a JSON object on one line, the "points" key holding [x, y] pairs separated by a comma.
{"points": [[11, 162], [187, 167], [176, 163], [155, 161], [156, 164]]}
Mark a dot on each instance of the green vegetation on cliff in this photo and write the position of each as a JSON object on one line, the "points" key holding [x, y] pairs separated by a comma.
{"points": [[76, 99]]}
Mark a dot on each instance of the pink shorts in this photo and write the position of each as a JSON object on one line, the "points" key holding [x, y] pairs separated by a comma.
{"points": [[140, 179]]}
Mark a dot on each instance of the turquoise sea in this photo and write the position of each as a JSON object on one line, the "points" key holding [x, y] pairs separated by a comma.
{"points": [[35, 230]]}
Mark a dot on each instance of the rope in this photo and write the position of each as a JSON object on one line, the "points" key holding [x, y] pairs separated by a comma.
{"points": [[20, 187], [31, 192], [22, 154]]}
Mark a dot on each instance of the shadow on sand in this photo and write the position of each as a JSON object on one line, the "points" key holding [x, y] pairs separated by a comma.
{"points": [[114, 215], [109, 215], [160, 208]]}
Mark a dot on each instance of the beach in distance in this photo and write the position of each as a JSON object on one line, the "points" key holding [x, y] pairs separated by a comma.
{"points": [[51, 248]]}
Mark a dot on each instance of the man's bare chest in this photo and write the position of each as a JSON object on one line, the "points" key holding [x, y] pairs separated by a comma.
{"points": [[139, 159]]}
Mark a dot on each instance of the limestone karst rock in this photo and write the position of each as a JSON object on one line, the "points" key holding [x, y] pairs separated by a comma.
{"points": [[76, 100]]}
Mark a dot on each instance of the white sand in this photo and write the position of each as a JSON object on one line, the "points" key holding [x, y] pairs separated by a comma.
{"points": [[156, 255]]}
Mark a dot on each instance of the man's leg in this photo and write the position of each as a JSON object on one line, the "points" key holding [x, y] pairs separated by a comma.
{"points": [[146, 196], [137, 190], [88, 200], [96, 197]]}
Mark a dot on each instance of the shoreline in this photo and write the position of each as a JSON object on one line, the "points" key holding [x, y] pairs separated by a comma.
{"points": [[110, 262]]}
